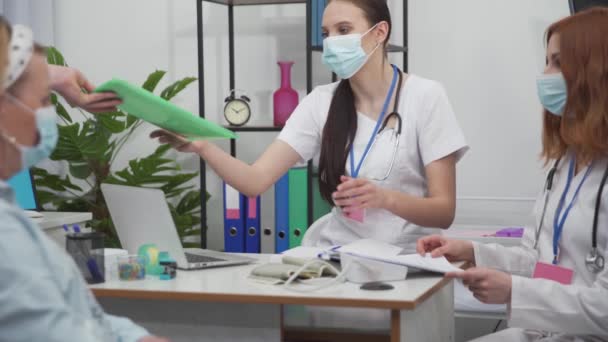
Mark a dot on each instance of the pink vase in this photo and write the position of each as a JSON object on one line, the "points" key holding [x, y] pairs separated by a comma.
{"points": [[285, 98]]}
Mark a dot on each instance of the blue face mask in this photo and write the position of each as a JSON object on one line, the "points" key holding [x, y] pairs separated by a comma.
{"points": [[344, 55], [48, 136], [552, 92]]}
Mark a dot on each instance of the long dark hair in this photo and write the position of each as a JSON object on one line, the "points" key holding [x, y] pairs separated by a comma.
{"points": [[341, 125]]}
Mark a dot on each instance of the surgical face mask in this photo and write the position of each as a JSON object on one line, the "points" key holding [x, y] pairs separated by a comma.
{"points": [[47, 129], [552, 92], [344, 55]]}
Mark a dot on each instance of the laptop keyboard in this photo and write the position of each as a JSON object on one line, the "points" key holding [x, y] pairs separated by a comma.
{"points": [[195, 258]]}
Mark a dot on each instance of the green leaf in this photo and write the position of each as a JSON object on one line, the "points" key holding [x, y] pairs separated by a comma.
{"points": [[174, 89], [131, 120], [80, 170], [178, 180], [161, 150], [44, 179], [53, 56], [60, 108], [78, 143], [176, 192], [115, 122], [45, 197], [76, 205], [153, 80], [189, 202]]}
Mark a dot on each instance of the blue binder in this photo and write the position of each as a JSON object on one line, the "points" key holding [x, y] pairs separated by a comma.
{"points": [[281, 210], [234, 220], [252, 220]]}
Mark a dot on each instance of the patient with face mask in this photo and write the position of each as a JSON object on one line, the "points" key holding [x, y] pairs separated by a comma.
{"points": [[43, 296]]}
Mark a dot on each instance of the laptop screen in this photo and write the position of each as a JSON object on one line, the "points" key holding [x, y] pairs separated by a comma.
{"points": [[24, 190]]}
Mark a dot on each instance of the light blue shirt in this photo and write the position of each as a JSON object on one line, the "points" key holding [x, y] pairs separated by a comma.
{"points": [[43, 296]]}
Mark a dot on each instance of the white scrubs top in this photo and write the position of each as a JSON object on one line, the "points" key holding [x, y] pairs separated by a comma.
{"points": [[556, 312], [430, 132]]}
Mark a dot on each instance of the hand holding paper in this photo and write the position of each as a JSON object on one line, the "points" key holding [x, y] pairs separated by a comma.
{"points": [[439, 246], [381, 251], [488, 286]]}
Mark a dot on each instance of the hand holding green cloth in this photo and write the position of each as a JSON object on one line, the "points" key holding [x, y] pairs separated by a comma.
{"points": [[154, 109]]}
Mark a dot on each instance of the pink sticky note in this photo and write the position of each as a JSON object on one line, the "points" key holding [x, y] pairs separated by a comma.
{"points": [[356, 215], [252, 206], [553, 272], [233, 214]]}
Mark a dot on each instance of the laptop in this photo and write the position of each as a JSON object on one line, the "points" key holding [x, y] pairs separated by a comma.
{"points": [[142, 216]]}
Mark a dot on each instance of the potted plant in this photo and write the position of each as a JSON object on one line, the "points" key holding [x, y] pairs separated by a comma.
{"points": [[90, 146]]}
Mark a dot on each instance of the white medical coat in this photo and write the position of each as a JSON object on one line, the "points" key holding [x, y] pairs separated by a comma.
{"points": [[576, 312]]}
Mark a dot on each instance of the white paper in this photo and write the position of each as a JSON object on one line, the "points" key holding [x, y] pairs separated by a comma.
{"points": [[381, 251], [372, 248], [428, 263], [304, 252]]}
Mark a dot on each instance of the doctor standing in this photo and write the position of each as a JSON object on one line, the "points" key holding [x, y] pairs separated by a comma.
{"points": [[388, 141], [556, 283]]}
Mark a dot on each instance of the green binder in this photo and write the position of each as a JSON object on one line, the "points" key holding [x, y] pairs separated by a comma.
{"points": [[320, 207], [298, 205], [162, 113]]}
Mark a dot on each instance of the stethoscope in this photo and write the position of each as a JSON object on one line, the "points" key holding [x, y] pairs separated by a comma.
{"points": [[394, 114], [594, 259]]}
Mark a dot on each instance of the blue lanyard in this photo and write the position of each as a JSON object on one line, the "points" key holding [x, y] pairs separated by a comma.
{"points": [[558, 223], [355, 172]]}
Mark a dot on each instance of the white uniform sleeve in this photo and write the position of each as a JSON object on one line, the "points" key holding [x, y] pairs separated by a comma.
{"points": [[550, 306], [438, 130], [303, 129], [518, 260]]}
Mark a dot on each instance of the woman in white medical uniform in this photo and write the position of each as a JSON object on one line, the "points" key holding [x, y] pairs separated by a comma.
{"points": [[556, 283], [384, 185]]}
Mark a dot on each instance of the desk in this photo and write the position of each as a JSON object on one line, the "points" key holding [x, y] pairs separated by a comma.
{"points": [[223, 305], [52, 223]]}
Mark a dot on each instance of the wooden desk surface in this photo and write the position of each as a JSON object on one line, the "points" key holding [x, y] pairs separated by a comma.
{"points": [[231, 285]]}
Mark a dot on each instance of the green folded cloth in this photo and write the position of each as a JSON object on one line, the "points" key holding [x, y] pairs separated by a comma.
{"points": [[154, 109]]}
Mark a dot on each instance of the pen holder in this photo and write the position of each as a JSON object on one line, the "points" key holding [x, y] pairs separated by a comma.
{"points": [[87, 251]]}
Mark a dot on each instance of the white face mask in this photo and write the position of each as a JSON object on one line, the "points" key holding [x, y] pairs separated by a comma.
{"points": [[46, 126], [344, 55]]}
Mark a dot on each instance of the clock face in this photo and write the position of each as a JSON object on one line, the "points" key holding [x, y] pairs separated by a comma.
{"points": [[237, 112]]}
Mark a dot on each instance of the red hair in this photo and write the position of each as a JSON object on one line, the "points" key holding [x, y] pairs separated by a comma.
{"points": [[583, 128]]}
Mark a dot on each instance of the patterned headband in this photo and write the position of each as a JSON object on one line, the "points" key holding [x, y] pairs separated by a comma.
{"points": [[20, 51]]}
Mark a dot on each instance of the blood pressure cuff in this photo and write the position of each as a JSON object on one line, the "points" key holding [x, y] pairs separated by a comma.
{"points": [[278, 273]]}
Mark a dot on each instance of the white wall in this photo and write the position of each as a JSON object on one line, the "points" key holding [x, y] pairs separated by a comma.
{"points": [[486, 53]]}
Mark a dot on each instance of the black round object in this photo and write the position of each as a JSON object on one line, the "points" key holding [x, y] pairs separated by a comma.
{"points": [[376, 286]]}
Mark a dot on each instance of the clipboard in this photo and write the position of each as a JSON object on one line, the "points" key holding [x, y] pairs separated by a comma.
{"points": [[154, 109]]}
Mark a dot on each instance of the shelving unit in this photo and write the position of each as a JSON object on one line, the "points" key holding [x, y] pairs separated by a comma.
{"points": [[230, 4]]}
